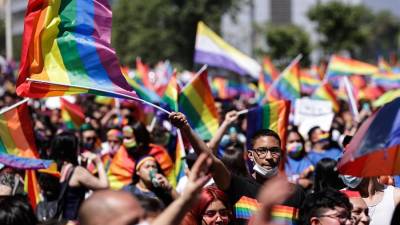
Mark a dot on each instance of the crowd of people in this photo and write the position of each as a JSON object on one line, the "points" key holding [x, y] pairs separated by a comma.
{"points": [[230, 179]]}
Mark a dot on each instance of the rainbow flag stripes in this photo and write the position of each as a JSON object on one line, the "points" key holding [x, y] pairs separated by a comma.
{"points": [[72, 114], [171, 93], [197, 103], [325, 92], [287, 87], [285, 215], [141, 90], [266, 78], [66, 50], [245, 207], [308, 82], [340, 66]]}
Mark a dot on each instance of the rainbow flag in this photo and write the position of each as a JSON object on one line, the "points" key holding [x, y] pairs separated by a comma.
{"points": [[171, 93], [141, 90], [219, 88], [287, 86], [142, 74], [31, 186], [180, 164], [66, 50], [211, 49], [325, 92], [383, 65], [340, 66], [23, 163], [197, 103], [266, 78], [281, 214], [386, 80], [308, 82], [16, 131], [273, 116], [245, 207], [120, 169], [72, 114]]}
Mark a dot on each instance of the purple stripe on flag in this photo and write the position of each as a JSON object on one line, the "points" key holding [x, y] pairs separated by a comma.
{"points": [[23, 163], [216, 60]]}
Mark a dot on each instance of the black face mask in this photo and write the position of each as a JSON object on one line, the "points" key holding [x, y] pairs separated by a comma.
{"points": [[88, 145]]}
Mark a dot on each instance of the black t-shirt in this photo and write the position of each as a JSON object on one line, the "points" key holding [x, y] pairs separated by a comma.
{"points": [[248, 187]]}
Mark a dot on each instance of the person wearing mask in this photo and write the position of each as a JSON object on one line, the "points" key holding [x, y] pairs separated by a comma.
{"points": [[321, 146], [265, 153], [64, 151], [113, 143], [211, 209], [90, 140], [136, 144], [298, 166], [327, 207]]}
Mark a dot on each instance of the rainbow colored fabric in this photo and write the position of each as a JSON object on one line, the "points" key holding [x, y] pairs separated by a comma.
{"points": [[281, 214], [220, 87], [16, 132], [287, 87], [386, 80], [325, 92], [308, 82], [141, 90], [72, 114], [171, 93], [66, 50], [266, 78], [374, 149], [273, 116], [179, 167], [23, 162], [384, 66], [340, 66], [245, 207], [197, 103], [31, 186], [211, 49]]}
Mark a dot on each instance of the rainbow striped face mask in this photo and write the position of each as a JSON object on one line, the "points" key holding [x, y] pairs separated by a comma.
{"points": [[294, 149]]}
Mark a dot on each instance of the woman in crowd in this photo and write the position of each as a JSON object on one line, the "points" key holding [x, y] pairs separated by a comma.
{"points": [[64, 151], [211, 209]]}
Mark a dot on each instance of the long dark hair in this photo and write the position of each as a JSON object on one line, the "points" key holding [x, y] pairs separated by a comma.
{"points": [[327, 176], [64, 148]]}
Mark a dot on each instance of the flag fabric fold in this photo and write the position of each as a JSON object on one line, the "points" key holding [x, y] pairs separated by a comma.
{"points": [[287, 86], [71, 114], [340, 66]]}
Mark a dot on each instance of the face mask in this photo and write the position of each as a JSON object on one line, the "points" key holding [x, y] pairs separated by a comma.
{"points": [[88, 145], [266, 173], [294, 149], [351, 181], [114, 149], [324, 137], [129, 143]]}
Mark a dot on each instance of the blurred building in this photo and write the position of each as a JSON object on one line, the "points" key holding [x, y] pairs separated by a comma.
{"points": [[240, 30]]}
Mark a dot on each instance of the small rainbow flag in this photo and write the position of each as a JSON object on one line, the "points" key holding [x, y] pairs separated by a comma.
{"points": [[325, 92], [340, 66], [268, 75], [142, 73], [386, 80], [246, 207], [219, 88], [197, 103], [141, 90], [16, 131], [180, 163], [273, 116], [72, 114], [383, 65], [31, 186], [281, 214], [171, 93], [287, 86], [308, 82], [66, 50]]}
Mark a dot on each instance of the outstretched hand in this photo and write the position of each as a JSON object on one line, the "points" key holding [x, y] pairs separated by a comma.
{"points": [[198, 177], [179, 120]]}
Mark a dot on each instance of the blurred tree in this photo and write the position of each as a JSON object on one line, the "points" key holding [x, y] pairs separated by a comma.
{"points": [[162, 29], [286, 42], [342, 27]]}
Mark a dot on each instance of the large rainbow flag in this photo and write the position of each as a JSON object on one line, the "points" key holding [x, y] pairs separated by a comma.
{"points": [[325, 92], [211, 49], [273, 116], [287, 86], [197, 103], [66, 50], [340, 66], [16, 131], [171, 93], [71, 114]]}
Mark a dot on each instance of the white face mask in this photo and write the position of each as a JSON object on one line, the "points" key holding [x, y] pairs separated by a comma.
{"points": [[266, 173], [351, 181]]}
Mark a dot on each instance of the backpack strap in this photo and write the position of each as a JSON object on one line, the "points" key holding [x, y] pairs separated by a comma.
{"points": [[63, 191]]}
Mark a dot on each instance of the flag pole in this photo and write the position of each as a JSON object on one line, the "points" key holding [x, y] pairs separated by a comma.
{"points": [[352, 101], [242, 112], [14, 106], [102, 90], [294, 61], [202, 69]]}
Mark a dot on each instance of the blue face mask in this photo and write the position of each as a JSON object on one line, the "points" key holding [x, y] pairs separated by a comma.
{"points": [[351, 181]]}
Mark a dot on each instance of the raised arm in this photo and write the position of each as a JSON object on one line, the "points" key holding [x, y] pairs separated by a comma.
{"points": [[230, 117], [220, 174]]}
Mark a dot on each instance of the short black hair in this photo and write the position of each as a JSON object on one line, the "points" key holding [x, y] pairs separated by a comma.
{"points": [[318, 201], [264, 133], [16, 210]]}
